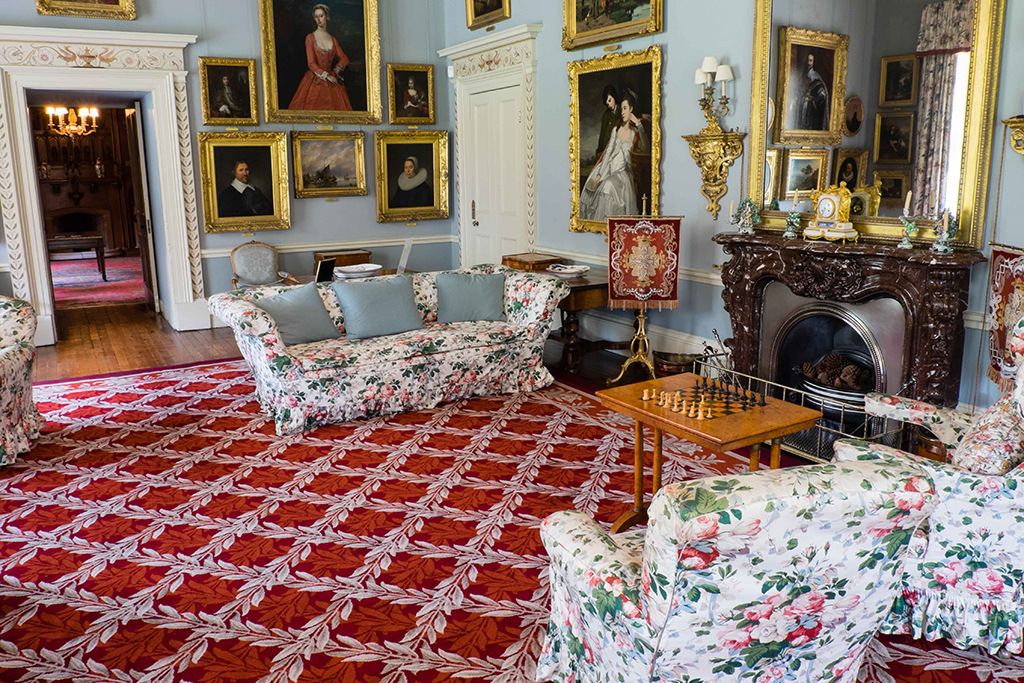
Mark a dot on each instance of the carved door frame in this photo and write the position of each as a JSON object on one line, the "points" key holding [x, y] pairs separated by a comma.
{"points": [[112, 61]]}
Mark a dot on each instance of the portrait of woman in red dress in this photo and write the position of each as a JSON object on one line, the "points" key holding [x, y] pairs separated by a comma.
{"points": [[322, 87]]}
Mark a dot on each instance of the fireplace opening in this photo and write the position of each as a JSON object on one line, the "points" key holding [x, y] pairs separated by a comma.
{"points": [[822, 352], [78, 223]]}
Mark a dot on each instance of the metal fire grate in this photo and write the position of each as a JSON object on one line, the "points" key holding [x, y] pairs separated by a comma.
{"points": [[848, 421]]}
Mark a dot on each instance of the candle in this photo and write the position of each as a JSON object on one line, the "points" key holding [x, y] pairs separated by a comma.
{"points": [[732, 208], [945, 223], [906, 207]]}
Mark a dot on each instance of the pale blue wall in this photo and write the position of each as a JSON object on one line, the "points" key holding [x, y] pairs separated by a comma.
{"points": [[722, 29], [411, 31]]}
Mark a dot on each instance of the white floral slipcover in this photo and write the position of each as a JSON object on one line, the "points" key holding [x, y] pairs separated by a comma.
{"points": [[337, 380], [771, 576], [21, 420]]}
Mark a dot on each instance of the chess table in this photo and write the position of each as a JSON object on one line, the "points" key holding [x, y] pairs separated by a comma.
{"points": [[733, 423]]}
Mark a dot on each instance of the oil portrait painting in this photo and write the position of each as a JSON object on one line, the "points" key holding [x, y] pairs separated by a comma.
{"points": [[321, 61]]}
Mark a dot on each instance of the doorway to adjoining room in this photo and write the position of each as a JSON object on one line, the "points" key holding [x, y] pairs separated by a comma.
{"points": [[92, 181]]}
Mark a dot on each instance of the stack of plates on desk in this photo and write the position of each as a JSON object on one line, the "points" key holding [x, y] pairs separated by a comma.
{"points": [[567, 271], [357, 271]]}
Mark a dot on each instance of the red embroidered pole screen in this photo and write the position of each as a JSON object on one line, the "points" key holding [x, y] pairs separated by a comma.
{"points": [[643, 262], [1005, 309]]}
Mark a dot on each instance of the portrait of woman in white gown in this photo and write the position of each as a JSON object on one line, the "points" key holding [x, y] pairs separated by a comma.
{"points": [[610, 189]]}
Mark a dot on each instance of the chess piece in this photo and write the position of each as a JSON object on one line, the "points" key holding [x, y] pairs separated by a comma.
{"points": [[710, 415], [693, 409], [760, 400], [700, 409], [647, 395]]}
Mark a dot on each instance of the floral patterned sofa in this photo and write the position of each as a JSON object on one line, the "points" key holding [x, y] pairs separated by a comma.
{"points": [[965, 579], [337, 380], [20, 421], [778, 575]]}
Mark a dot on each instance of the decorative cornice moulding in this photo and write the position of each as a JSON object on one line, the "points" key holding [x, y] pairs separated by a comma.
{"points": [[35, 46], [491, 41]]}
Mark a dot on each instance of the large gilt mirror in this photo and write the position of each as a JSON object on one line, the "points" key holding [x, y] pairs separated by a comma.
{"points": [[895, 98]]}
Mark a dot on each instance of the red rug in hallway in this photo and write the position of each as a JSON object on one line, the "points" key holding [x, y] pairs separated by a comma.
{"points": [[159, 531], [78, 284]]}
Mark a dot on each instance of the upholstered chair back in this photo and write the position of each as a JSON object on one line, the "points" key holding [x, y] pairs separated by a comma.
{"points": [[254, 264], [766, 576]]}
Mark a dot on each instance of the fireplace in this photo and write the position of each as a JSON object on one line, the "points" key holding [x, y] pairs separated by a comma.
{"points": [[77, 223], [903, 308]]}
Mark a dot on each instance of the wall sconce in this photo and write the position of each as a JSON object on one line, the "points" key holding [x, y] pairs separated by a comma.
{"points": [[1016, 126], [714, 149]]}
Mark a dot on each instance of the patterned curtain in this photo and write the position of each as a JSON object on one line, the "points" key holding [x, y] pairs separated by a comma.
{"points": [[946, 29]]}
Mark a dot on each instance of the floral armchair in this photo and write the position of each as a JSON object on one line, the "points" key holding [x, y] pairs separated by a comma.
{"points": [[20, 421], [784, 573], [965, 578]]}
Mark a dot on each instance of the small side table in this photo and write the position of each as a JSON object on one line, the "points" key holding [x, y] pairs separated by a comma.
{"points": [[81, 242], [586, 292]]}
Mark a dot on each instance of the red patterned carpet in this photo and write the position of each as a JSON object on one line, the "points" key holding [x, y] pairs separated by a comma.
{"points": [[78, 284], [160, 532]]}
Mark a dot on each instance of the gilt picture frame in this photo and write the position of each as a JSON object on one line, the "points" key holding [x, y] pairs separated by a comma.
{"points": [[629, 75], [345, 87], [481, 13], [811, 87], [229, 206], [411, 175], [893, 186], [894, 137], [411, 106], [329, 164], [91, 9], [898, 81], [228, 92], [589, 22], [854, 177], [805, 170]]}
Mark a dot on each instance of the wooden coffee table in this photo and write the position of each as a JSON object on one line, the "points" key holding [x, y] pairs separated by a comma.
{"points": [[740, 427]]}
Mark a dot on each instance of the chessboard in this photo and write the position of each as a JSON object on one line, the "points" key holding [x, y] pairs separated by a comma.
{"points": [[706, 400], [725, 415]]}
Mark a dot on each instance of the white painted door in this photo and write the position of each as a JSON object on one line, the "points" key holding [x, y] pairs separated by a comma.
{"points": [[495, 156]]}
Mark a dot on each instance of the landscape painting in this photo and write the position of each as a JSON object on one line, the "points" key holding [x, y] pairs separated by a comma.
{"points": [[329, 164]]}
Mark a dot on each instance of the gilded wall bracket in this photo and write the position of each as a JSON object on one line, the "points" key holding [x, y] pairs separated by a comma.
{"points": [[1016, 126], [715, 151]]}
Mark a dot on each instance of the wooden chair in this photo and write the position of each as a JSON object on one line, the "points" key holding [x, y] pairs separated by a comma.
{"points": [[255, 264]]}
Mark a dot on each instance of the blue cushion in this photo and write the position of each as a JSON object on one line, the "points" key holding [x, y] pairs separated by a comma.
{"points": [[378, 307], [468, 297], [300, 315]]}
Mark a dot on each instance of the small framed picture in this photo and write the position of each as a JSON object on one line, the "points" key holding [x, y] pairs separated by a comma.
{"points": [[411, 94], [898, 87], [412, 175], [93, 9], [811, 87], [480, 13], [854, 116], [228, 89], [894, 137], [850, 166], [329, 164], [245, 181], [806, 170], [771, 174], [894, 187], [590, 22], [860, 205]]}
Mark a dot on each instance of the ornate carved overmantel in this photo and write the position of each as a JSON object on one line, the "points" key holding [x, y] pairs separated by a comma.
{"points": [[932, 288]]}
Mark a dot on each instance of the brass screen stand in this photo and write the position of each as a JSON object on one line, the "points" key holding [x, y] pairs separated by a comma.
{"points": [[640, 348]]}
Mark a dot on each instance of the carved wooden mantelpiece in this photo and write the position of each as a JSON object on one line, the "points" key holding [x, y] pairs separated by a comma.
{"points": [[932, 288]]}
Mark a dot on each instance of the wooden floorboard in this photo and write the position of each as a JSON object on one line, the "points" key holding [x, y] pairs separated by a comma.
{"points": [[122, 338]]}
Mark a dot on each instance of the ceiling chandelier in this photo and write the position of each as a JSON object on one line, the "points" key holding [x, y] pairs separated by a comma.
{"points": [[64, 121]]}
